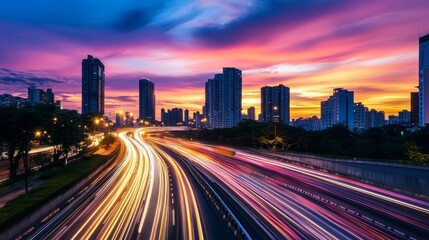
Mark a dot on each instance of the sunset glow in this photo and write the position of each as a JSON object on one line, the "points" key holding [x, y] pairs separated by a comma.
{"points": [[369, 47]]}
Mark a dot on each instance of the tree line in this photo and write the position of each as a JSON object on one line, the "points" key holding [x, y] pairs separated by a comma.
{"points": [[392, 142], [24, 128]]}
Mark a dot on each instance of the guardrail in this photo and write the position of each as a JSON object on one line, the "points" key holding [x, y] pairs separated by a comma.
{"points": [[227, 215]]}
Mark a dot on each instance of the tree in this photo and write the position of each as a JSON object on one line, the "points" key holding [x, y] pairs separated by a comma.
{"points": [[67, 131], [9, 137]]}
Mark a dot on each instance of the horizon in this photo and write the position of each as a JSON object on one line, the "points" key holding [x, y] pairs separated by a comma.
{"points": [[311, 47]]}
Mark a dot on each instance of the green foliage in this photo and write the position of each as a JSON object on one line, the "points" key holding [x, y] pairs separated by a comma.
{"points": [[54, 186], [388, 142], [21, 128]]}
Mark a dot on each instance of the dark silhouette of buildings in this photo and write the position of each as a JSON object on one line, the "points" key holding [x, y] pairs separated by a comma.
{"points": [[173, 117], [93, 81], [424, 80], [275, 104], [415, 108], [146, 100], [338, 109], [251, 113], [223, 99]]}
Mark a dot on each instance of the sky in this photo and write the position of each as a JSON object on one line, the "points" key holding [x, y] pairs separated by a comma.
{"points": [[311, 46]]}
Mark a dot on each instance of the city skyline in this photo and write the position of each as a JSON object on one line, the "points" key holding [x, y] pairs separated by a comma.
{"points": [[184, 49]]}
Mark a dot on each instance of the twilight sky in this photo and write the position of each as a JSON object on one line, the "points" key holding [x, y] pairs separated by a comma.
{"points": [[311, 46]]}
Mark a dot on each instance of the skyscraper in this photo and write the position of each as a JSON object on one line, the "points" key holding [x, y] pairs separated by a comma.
{"points": [[251, 113], [338, 109], [223, 99], [414, 108], [146, 100], [92, 86], [275, 104], [424, 80]]}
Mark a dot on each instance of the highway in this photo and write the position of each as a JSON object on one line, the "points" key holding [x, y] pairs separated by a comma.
{"points": [[152, 192], [144, 195], [277, 200]]}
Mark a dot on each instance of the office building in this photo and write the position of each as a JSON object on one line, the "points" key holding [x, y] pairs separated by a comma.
{"points": [[146, 100], [414, 108], [275, 104], [93, 81], [424, 80], [223, 99], [338, 109], [251, 113]]}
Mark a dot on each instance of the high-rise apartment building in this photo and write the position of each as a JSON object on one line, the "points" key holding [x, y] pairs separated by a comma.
{"points": [[186, 117], [146, 100], [338, 109], [92, 86], [50, 96], [359, 111], [424, 80], [37, 96], [414, 108], [275, 104], [173, 117], [404, 118], [223, 99], [310, 123], [251, 113], [374, 118]]}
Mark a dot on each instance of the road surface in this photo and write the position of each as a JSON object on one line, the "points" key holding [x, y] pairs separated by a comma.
{"points": [[145, 195], [280, 200]]}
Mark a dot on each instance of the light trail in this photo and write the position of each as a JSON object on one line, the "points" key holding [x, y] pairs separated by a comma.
{"points": [[297, 202], [133, 201]]}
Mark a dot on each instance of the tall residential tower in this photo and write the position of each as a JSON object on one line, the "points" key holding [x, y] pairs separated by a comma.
{"points": [[92, 86], [223, 99], [146, 100], [338, 109], [275, 104], [424, 80]]}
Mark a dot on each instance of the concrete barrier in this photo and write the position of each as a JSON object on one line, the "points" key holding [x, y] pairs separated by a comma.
{"points": [[413, 179]]}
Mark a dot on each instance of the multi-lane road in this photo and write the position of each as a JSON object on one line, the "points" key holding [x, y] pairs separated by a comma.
{"points": [[151, 192], [145, 195]]}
